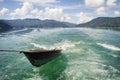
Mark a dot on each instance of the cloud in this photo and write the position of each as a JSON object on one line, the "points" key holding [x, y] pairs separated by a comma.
{"points": [[101, 11], [3, 11], [83, 17], [94, 3], [117, 13], [51, 13], [76, 6], [111, 3], [39, 2], [101, 7], [100, 3], [60, 15], [36, 12], [28, 11], [23, 11]]}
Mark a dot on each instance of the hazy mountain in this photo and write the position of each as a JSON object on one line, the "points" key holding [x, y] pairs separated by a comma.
{"points": [[4, 27], [53, 24], [103, 22], [23, 23], [33, 23]]}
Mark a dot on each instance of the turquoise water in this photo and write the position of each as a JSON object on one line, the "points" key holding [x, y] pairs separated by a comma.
{"points": [[88, 54]]}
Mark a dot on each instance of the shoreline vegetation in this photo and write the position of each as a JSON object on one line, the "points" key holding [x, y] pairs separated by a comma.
{"points": [[112, 23]]}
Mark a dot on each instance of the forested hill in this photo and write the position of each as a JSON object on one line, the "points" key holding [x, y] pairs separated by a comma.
{"points": [[31, 23], [100, 22], [4, 27], [103, 22]]}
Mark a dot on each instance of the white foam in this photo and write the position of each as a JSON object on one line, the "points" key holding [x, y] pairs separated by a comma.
{"points": [[35, 75], [66, 44], [39, 46], [24, 35], [63, 45], [34, 78], [111, 47]]}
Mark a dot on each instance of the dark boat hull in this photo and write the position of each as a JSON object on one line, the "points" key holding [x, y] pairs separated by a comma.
{"points": [[40, 57]]}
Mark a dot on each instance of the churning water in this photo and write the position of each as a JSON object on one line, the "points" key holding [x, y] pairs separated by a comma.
{"points": [[88, 54]]}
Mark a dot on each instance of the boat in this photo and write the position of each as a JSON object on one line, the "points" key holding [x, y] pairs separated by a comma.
{"points": [[40, 57]]}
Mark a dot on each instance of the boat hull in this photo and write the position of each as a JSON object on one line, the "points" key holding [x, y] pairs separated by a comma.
{"points": [[40, 57]]}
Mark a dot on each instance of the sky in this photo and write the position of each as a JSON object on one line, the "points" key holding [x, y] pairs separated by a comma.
{"points": [[74, 11]]}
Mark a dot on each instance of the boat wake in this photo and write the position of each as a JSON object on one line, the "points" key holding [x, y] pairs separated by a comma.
{"points": [[66, 44], [39, 46], [110, 47]]}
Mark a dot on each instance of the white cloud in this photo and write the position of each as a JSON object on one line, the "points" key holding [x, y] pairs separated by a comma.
{"points": [[40, 2], [94, 3], [117, 13], [51, 13], [28, 11], [58, 14], [101, 7], [3, 11], [111, 3], [23, 11], [37, 12], [77, 6], [82, 17], [101, 11]]}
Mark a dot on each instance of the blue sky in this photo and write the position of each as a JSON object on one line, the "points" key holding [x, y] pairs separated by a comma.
{"points": [[75, 11]]}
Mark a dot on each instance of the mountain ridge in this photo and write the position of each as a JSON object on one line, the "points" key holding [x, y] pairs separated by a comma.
{"points": [[33, 23], [103, 22], [100, 22]]}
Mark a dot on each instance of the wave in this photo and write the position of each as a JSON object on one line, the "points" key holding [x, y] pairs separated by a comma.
{"points": [[111, 47], [39, 46], [34, 78], [66, 44]]}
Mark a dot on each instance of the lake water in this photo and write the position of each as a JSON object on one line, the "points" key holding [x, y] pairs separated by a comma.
{"points": [[88, 54]]}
